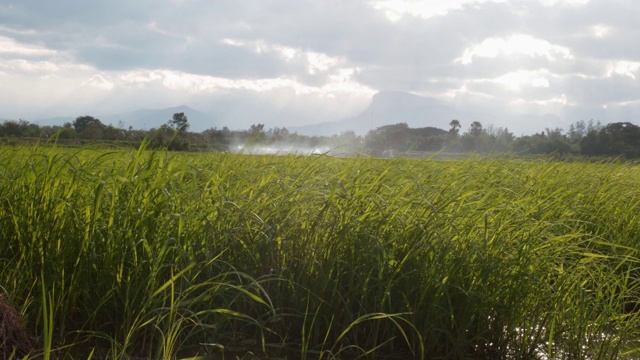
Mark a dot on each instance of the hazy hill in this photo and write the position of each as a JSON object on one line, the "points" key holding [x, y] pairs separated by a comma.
{"points": [[389, 107], [386, 108], [392, 107], [154, 118], [142, 119]]}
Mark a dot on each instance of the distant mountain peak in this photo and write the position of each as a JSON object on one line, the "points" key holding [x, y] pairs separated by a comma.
{"points": [[390, 107]]}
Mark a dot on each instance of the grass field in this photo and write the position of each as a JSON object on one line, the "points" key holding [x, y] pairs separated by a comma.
{"points": [[137, 254]]}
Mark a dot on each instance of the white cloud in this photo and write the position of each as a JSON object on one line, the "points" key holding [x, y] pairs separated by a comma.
{"points": [[319, 62], [601, 31], [395, 9], [464, 90], [516, 80], [551, 3], [97, 81], [233, 42], [623, 68], [257, 46], [12, 47], [316, 62], [23, 65], [287, 53], [517, 44], [139, 77], [175, 80], [339, 82], [556, 100], [621, 104], [342, 82]]}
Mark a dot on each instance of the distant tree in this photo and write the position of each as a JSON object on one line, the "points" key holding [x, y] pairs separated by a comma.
{"points": [[428, 138], [621, 138], [553, 133], [577, 131], [65, 132], [389, 137], [594, 126], [112, 133], [551, 141], [217, 139], [497, 139], [277, 134], [88, 127], [256, 129], [475, 139], [179, 122], [159, 137], [475, 129], [455, 127], [347, 137], [10, 128], [83, 123], [166, 137]]}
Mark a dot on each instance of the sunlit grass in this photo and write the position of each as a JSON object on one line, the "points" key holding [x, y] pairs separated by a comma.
{"points": [[119, 254]]}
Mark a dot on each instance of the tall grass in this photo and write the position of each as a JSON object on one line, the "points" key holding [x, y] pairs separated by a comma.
{"points": [[119, 254]]}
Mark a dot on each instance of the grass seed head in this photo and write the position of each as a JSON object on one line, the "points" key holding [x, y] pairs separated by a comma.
{"points": [[13, 336]]}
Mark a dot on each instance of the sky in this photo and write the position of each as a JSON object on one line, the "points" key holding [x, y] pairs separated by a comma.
{"points": [[320, 60]]}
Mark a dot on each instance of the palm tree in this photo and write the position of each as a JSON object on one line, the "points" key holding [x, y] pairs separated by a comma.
{"points": [[455, 126]]}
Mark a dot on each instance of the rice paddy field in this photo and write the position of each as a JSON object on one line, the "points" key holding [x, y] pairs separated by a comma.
{"points": [[119, 254]]}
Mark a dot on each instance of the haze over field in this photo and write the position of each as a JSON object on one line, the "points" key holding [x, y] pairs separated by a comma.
{"points": [[522, 64]]}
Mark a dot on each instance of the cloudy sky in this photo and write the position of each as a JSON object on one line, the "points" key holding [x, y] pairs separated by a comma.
{"points": [[320, 59]]}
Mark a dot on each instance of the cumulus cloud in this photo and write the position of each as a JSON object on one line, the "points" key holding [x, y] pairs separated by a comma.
{"points": [[515, 44]]}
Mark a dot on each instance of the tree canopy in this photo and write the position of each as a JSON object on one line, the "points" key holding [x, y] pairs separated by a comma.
{"points": [[179, 122], [84, 123]]}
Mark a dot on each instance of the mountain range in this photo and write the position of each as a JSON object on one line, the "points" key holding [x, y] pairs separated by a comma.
{"points": [[386, 108]]}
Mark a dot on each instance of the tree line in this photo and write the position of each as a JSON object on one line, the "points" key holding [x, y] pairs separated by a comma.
{"points": [[582, 138], [173, 135]]}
